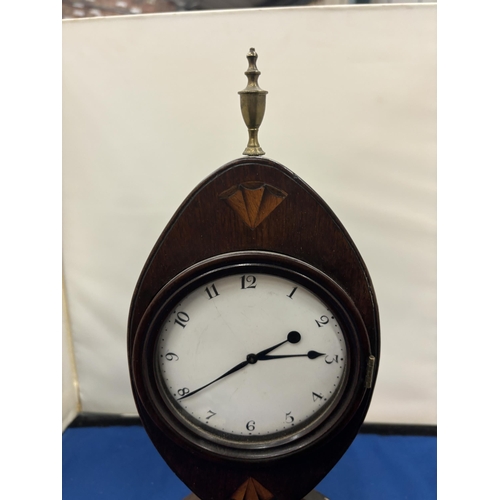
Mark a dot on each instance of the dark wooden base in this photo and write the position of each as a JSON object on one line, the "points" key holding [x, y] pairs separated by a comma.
{"points": [[314, 495]]}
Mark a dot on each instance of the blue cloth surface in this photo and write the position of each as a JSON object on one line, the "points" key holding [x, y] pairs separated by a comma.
{"points": [[121, 463]]}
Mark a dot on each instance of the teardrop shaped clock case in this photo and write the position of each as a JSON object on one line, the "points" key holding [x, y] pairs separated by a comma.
{"points": [[253, 335]]}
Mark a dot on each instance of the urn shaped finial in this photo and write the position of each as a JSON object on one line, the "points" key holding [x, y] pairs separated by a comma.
{"points": [[253, 105]]}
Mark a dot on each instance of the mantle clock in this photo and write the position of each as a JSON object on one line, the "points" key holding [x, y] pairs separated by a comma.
{"points": [[253, 334]]}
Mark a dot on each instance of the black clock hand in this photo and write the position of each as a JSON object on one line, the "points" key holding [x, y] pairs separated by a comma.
{"points": [[229, 372], [292, 337], [310, 355]]}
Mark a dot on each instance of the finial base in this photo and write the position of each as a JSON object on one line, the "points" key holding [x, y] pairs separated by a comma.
{"points": [[253, 147], [255, 151]]}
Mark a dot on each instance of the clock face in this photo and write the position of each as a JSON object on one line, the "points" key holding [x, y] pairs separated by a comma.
{"points": [[251, 359], [251, 356]]}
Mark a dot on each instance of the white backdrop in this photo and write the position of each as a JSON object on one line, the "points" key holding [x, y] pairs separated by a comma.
{"points": [[70, 403], [150, 108]]}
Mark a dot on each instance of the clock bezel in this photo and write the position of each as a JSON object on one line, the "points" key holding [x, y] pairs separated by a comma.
{"points": [[326, 425]]}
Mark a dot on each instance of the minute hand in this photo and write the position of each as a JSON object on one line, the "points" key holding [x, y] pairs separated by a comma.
{"points": [[310, 355], [229, 372]]}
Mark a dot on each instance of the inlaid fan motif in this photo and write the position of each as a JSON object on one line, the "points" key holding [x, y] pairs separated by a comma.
{"points": [[252, 490], [253, 201]]}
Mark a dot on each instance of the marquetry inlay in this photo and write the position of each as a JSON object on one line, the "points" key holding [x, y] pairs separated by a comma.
{"points": [[253, 201], [252, 490]]}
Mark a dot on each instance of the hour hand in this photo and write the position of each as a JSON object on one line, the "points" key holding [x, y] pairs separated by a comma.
{"points": [[293, 337], [310, 355]]}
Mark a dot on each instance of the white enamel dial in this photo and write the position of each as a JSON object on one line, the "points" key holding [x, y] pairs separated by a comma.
{"points": [[251, 358]]}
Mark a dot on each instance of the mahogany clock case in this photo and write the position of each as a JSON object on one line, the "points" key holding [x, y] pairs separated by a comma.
{"points": [[299, 228]]}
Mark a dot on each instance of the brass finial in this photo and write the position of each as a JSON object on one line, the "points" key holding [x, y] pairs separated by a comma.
{"points": [[253, 105]]}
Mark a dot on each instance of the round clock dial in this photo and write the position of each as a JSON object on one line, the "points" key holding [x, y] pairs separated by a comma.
{"points": [[252, 357]]}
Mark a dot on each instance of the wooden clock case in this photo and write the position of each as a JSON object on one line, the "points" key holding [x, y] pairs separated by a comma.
{"points": [[255, 204]]}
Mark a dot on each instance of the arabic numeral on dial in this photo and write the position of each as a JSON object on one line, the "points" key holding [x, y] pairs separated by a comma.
{"points": [[334, 358], [291, 294], [251, 425], [211, 291], [182, 392], [182, 319], [322, 321], [317, 396], [288, 418], [210, 414], [248, 282], [171, 356]]}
